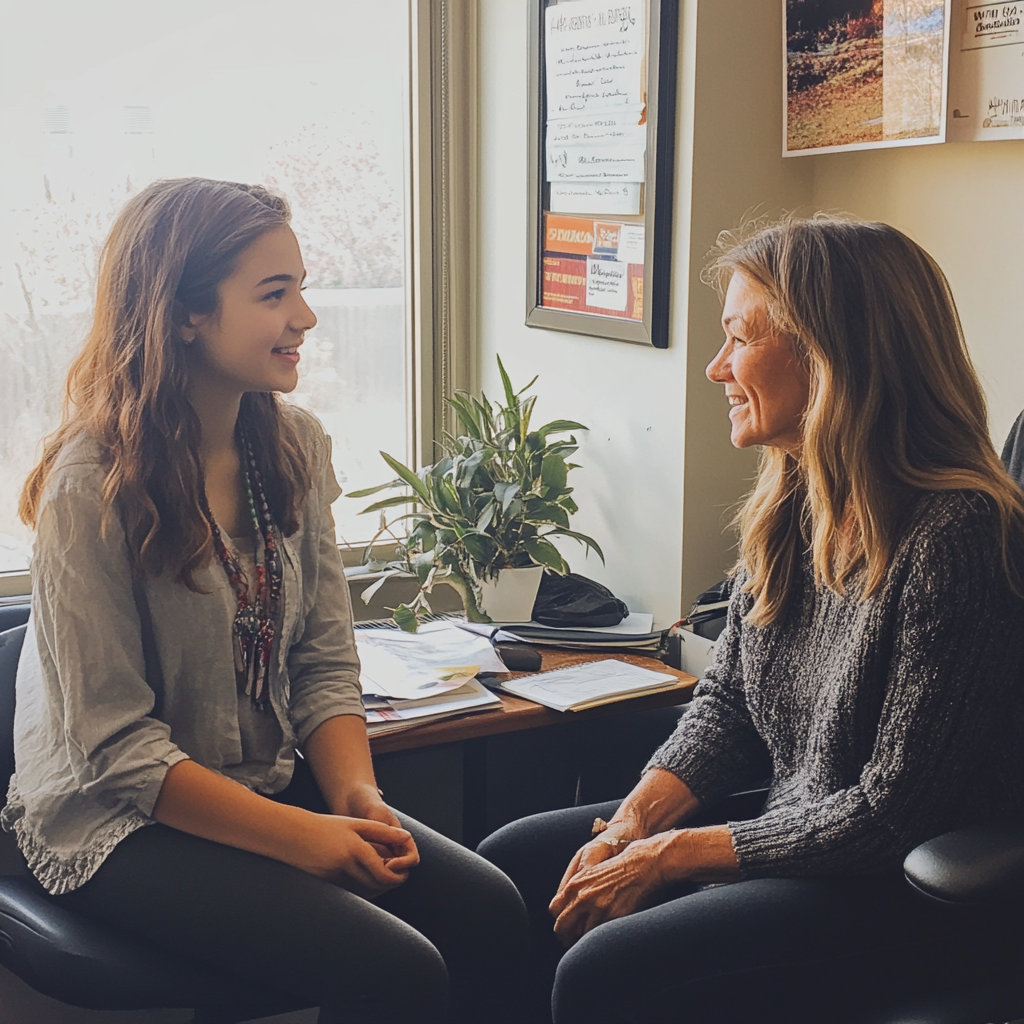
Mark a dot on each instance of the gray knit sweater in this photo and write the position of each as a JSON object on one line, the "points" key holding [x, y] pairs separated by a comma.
{"points": [[881, 723]]}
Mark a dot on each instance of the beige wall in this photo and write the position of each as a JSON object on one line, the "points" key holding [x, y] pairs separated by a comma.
{"points": [[659, 474], [963, 203], [657, 425]]}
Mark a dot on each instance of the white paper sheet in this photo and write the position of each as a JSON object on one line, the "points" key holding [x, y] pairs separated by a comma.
{"points": [[468, 696], [594, 56], [408, 666], [607, 284], [596, 163], [598, 147], [986, 72], [595, 197], [631, 244], [582, 684]]}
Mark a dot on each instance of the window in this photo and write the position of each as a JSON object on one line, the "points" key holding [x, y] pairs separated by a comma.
{"points": [[311, 98]]}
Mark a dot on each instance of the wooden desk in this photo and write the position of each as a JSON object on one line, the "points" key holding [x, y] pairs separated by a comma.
{"points": [[466, 737], [516, 713]]}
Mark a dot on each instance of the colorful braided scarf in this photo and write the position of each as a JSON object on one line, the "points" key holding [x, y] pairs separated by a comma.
{"points": [[255, 620]]}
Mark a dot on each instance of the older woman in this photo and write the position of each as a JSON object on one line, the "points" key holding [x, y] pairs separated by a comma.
{"points": [[871, 667]]}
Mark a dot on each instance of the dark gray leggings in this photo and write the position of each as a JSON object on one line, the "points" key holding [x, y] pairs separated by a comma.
{"points": [[786, 950], [457, 925]]}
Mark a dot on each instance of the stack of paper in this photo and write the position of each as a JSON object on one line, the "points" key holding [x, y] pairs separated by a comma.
{"points": [[634, 632], [410, 679], [589, 685]]}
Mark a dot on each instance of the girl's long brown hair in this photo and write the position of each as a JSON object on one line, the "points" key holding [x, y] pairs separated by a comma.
{"points": [[167, 253], [895, 406]]}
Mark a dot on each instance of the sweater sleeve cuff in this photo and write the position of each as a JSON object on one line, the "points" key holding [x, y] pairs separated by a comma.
{"points": [[709, 778]]}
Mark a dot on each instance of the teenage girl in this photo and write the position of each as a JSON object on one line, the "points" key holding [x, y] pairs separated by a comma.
{"points": [[191, 637]]}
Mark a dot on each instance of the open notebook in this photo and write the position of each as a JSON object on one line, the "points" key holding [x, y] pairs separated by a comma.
{"points": [[589, 685]]}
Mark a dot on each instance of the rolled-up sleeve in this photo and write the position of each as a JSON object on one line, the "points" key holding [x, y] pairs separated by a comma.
{"points": [[88, 631], [323, 665]]}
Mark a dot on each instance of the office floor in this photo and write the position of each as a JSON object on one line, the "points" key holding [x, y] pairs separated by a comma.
{"points": [[20, 1005]]}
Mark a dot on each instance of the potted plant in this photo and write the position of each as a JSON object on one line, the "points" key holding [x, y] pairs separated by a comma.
{"points": [[484, 514]]}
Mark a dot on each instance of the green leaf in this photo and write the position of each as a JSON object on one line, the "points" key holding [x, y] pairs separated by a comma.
{"points": [[406, 474], [467, 413], [406, 618], [504, 492], [397, 499], [568, 504], [581, 537], [424, 534], [480, 547], [487, 516], [553, 471], [510, 395], [439, 468], [528, 386], [365, 492], [465, 470], [560, 427], [545, 553]]}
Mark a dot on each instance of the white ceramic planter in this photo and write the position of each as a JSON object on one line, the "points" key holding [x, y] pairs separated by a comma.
{"points": [[509, 596]]}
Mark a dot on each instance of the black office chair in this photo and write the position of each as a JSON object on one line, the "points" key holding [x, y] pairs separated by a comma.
{"points": [[84, 963]]}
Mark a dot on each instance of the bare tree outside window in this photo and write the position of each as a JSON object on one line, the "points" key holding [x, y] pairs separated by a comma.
{"points": [[315, 110]]}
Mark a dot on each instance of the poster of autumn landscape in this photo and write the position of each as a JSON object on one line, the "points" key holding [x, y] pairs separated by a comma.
{"points": [[864, 73]]}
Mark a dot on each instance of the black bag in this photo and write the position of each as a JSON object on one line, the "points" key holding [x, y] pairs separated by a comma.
{"points": [[573, 600]]}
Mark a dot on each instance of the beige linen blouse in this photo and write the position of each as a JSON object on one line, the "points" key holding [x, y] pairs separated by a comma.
{"points": [[121, 679]]}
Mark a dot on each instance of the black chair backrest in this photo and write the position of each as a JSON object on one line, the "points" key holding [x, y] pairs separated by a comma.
{"points": [[12, 615], [10, 650]]}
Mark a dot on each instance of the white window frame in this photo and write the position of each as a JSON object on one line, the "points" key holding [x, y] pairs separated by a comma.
{"points": [[441, 197]]}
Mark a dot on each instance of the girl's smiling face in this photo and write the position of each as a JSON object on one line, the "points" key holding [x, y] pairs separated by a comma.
{"points": [[766, 384], [251, 343]]}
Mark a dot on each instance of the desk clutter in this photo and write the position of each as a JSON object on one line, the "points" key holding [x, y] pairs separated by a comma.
{"points": [[413, 679]]}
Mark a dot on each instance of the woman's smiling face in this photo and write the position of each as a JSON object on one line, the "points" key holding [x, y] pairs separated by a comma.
{"points": [[766, 384], [251, 342]]}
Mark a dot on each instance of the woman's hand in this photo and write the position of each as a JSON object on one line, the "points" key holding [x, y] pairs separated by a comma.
{"points": [[365, 801], [600, 886], [658, 801], [364, 856], [617, 885], [601, 849]]}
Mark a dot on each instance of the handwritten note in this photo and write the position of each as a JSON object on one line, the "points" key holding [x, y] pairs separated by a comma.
{"points": [[601, 147], [631, 244], [607, 284], [986, 72], [621, 128], [594, 56], [595, 197]]}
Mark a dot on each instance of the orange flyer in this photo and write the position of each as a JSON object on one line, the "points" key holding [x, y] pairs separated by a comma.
{"points": [[574, 235]]}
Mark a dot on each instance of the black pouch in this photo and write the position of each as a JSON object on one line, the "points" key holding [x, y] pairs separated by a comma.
{"points": [[573, 600]]}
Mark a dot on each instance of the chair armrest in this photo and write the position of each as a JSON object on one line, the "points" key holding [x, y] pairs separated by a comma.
{"points": [[979, 865]]}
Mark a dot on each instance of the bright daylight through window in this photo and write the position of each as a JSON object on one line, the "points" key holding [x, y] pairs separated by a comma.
{"points": [[309, 98]]}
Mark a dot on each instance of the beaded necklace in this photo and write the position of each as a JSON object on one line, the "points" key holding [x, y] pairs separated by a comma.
{"points": [[255, 620]]}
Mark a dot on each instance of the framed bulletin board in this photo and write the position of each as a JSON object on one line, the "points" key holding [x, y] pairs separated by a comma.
{"points": [[602, 152]]}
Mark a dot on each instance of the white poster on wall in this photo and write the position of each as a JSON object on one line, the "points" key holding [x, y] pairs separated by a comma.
{"points": [[594, 54], [595, 197], [986, 72], [607, 284]]}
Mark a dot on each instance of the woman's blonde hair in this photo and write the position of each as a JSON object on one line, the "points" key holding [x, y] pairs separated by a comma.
{"points": [[169, 249], [895, 406]]}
